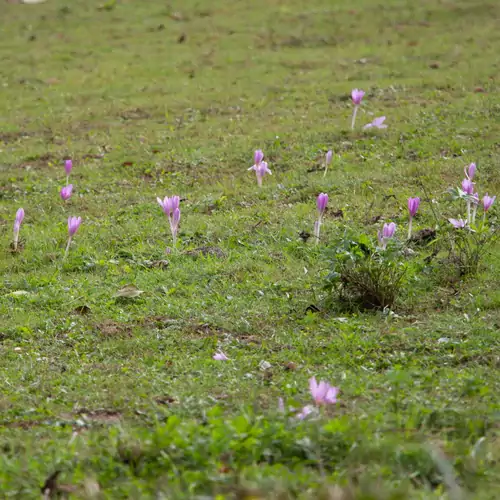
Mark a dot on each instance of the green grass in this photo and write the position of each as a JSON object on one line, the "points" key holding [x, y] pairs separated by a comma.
{"points": [[159, 98]]}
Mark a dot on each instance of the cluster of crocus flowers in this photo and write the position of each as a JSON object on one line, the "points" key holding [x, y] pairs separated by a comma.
{"points": [[17, 226], [357, 96], [472, 199], [171, 209], [260, 166], [386, 234], [73, 225], [322, 393], [413, 204], [321, 203]]}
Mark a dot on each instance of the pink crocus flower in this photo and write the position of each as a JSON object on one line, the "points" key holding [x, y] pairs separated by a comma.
{"points": [[357, 97], [386, 234], [220, 356], [321, 203], [458, 223], [470, 171], [261, 169], [376, 123], [413, 204], [17, 225], [171, 209], [328, 160], [323, 392], [488, 201], [66, 192], [73, 225]]}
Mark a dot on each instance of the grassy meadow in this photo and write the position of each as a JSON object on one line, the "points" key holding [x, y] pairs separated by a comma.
{"points": [[108, 394]]}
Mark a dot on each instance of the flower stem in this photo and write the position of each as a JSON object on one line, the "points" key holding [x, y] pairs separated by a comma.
{"points": [[67, 180], [317, 228], [16, 239], [410, 227], [67, 248], [354, 113], [326, 168], [468, 211]]}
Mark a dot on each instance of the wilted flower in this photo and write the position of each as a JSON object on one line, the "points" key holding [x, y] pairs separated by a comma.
{"points": [[488, 201], [386, 234], [66, 192], [357, 97], [328, 160], [305, 412], [73, 225], [261, 170], [220, 356], [17, 225], [470, 171], [376, 123], [458, 223], [321, 203], [323, 393], [171, 209], [413, 204]]}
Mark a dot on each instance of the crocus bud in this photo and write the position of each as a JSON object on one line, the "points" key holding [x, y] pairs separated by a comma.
{"points": [[388, 230], [467, 186], [73, 225], [19, 219], [470, 171], [322, 202], [66, 192], [488, 201], [68, 165], [258, 156], [413, 204], [357, 96], [328, 157]]}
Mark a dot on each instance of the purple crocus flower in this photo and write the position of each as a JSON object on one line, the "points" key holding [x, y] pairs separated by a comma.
{"points": [[357, 96], [171, 209], [17, 225], [73, 225], [261, 169], [66, 192], [488, 201], [413, 204], [376, 123], [386, 234], [467, 186], [323, 393], [321, 203], [458, 223], [220, 356], [470, 171], [258, 156]]}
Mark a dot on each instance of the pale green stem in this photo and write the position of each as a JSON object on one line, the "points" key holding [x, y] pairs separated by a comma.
{"points": [[326, 168], [67, 248], [354, 113], [474, 211], [67, 180], [16, 239], [317, 229], [409, 227], [468, 211]]}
